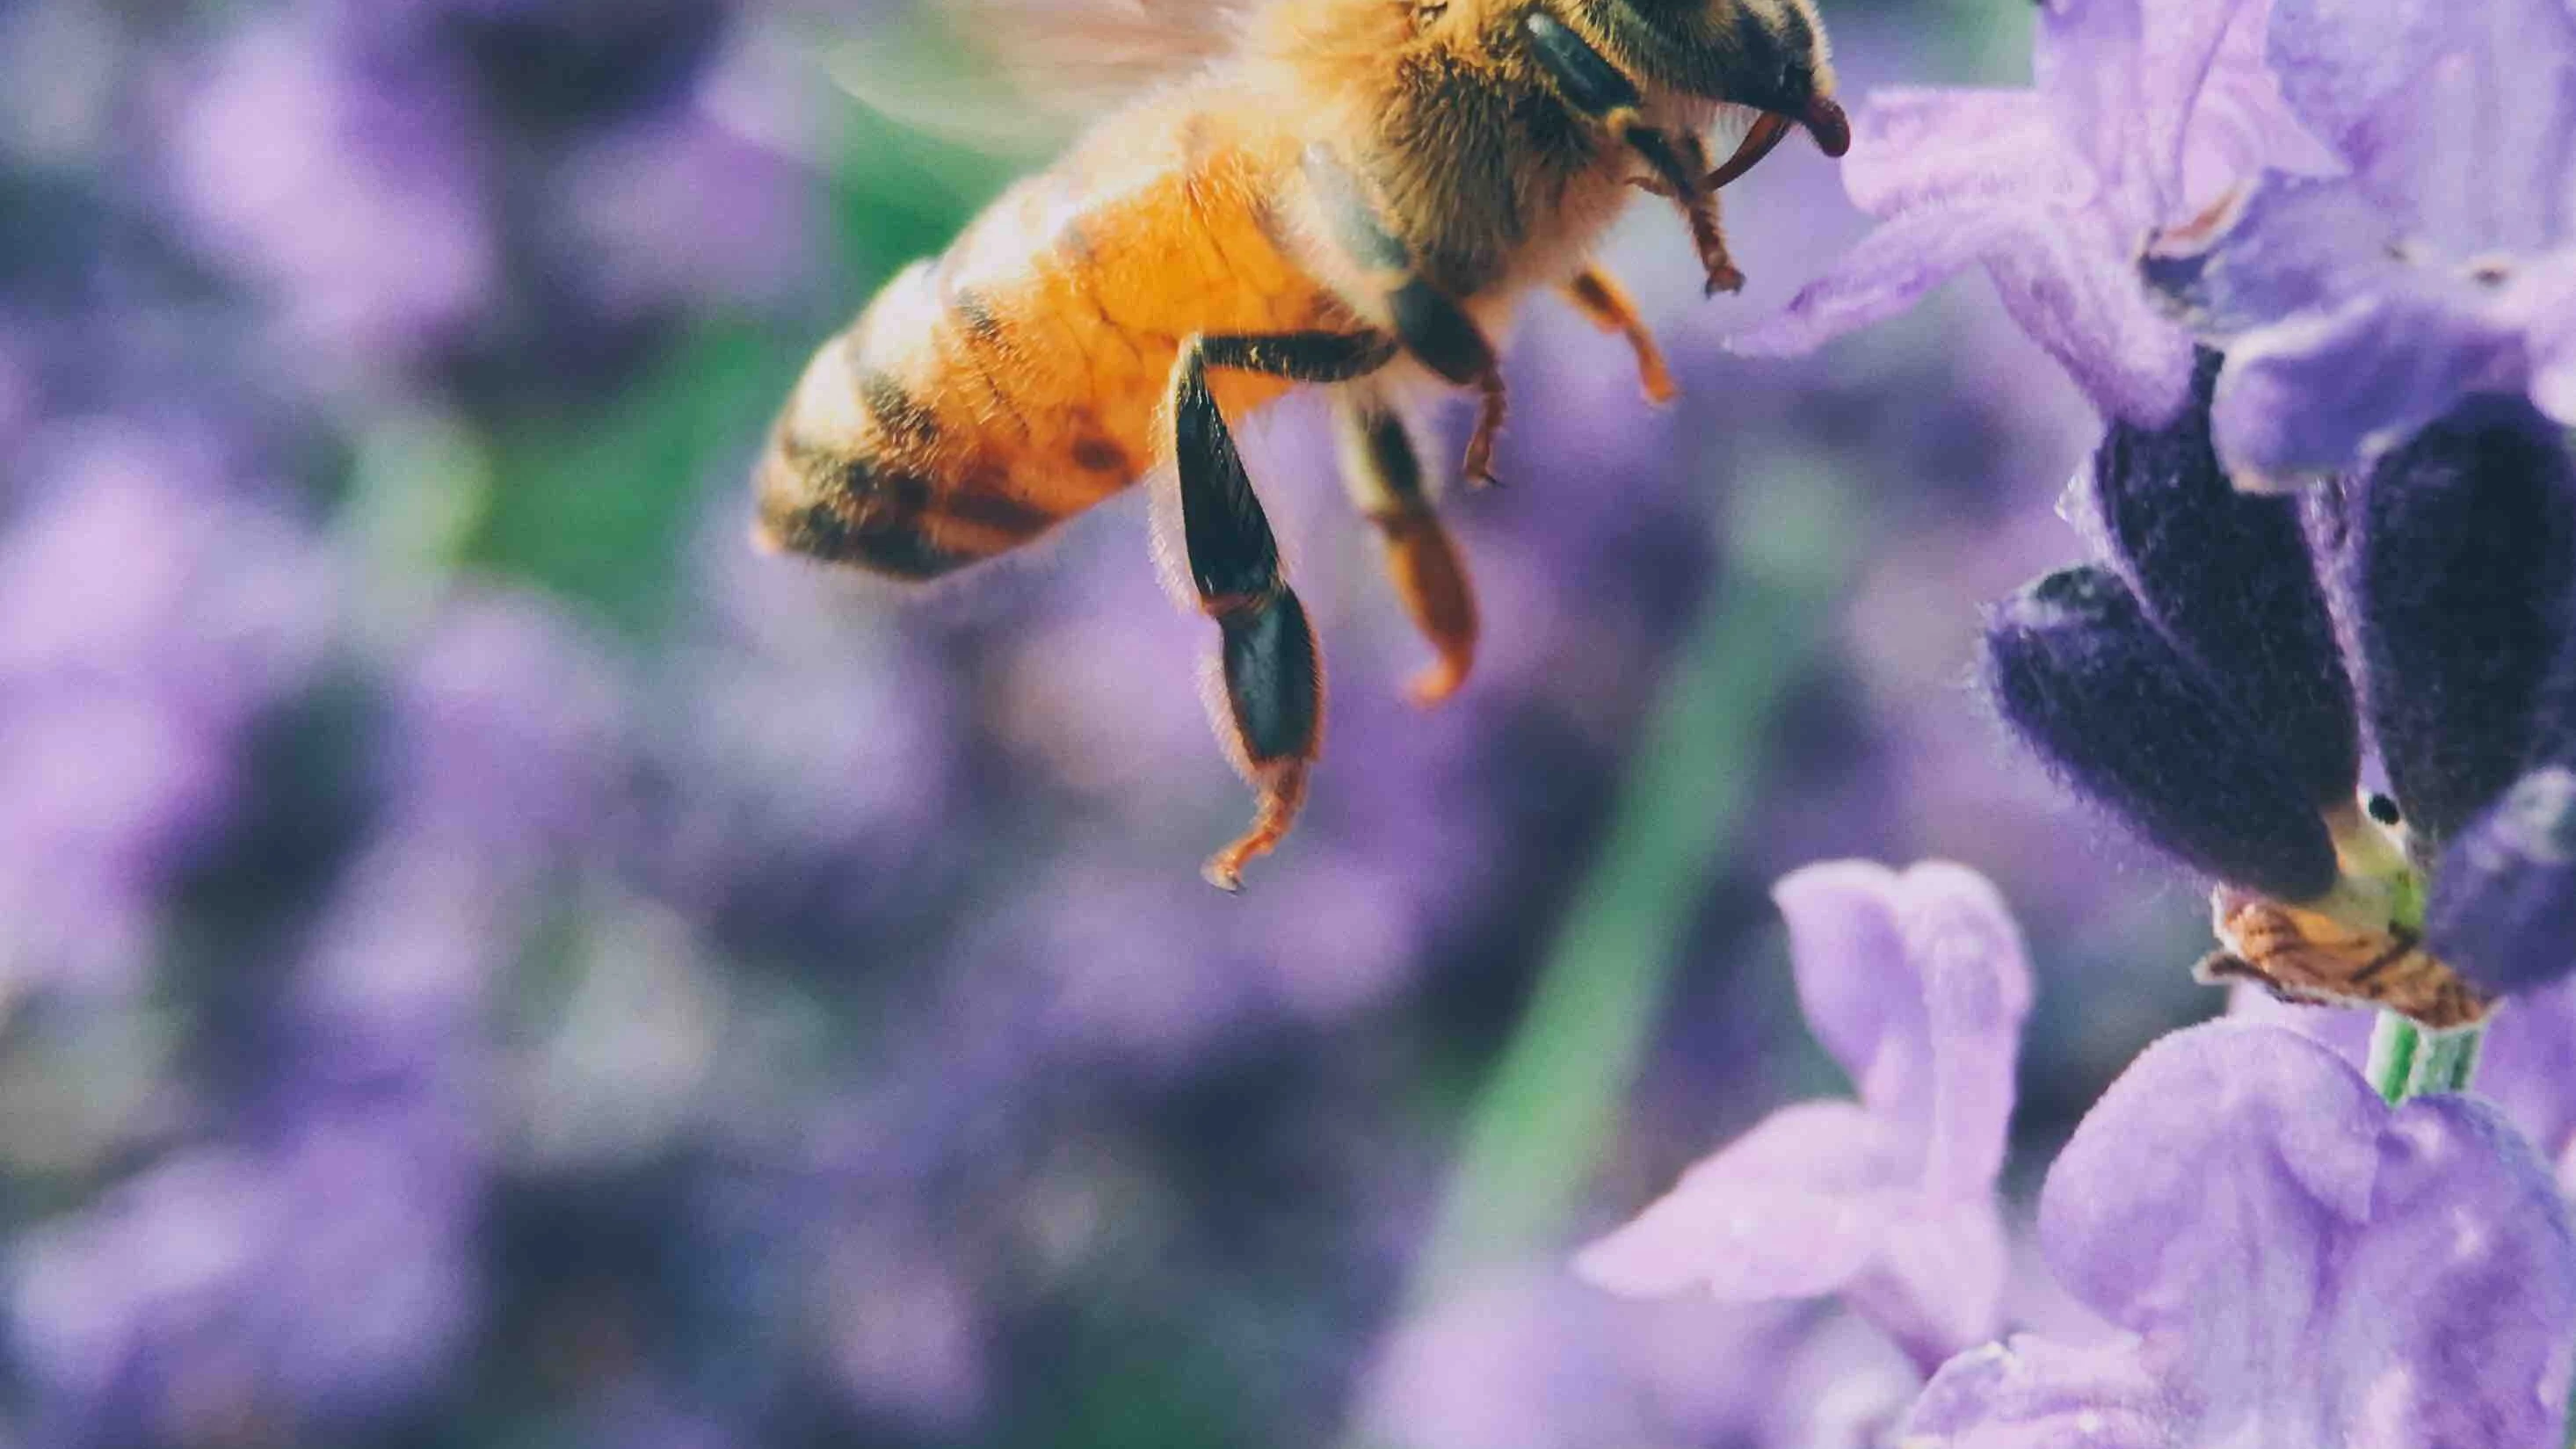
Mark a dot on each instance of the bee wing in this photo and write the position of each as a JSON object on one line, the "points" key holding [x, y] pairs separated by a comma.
{"points": [[1014, 74]]}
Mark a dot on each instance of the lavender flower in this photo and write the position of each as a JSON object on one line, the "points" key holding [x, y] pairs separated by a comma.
{"points": [[2438, 262], [1917, 985], [148, 621], [295, 161], [2145, 113], [307, 1289], [2294, 1263], [313, 1267]]}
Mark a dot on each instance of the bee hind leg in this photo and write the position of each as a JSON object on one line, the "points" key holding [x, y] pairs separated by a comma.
{"points": [[1384, 477], [1267, 697], [1600, 297]]}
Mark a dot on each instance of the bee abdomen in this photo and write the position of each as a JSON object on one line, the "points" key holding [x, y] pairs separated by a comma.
{"points": [[887, 520], [863, 470]]}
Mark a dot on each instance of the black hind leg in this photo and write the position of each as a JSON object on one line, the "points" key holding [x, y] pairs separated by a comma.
{"points": [[1268, 706]]}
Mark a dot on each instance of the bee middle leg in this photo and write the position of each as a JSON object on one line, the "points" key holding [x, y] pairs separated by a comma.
{"points": [[1268, 699], [1384, 477], [1430, 324], [1600, 297], [1587, 81]]}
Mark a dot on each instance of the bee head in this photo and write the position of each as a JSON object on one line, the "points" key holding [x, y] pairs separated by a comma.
{"points": [[1770, 55]]}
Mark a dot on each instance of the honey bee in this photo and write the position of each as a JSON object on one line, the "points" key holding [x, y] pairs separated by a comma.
{"points": [[1347, 193], [2352, 946]]}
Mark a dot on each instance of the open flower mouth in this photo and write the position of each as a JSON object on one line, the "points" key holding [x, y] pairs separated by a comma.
{"points": [[1823, 118]]}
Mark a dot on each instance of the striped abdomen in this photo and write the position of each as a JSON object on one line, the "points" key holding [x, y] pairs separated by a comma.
{"points": [[1014, 382]]}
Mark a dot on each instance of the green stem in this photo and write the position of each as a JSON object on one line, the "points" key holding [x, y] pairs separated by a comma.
{"points": [[2447, 1062], [1540, 1124], [2395, 1042], [2408, 1061]]}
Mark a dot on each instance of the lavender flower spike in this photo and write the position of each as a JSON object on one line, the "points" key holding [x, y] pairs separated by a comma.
{"points": [[2146, 112], [2441, 262], [1917, 984], [2296, 1264]]}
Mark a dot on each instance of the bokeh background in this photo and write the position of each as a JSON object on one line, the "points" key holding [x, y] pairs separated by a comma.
{"points": [[487, 960]]}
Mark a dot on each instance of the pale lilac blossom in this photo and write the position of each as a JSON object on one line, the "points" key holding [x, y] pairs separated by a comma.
{"points": [[2144, 114], [2295, 1263], [2439, 261], [1916, 983]]}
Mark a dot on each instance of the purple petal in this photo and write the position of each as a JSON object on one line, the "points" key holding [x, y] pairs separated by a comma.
{"points": [[1913, 148], [2071, 282], [2524, 1067], [1860, 994], [2542, 300], [1887, 272], [2240, 124], [2468, 1232], [1793, 1209], [1938, 1282], [2320, 394], [1975, 982], [2243, 1201], [2292, 244], [2067, 277], [2123, 78], [2459, 119], [2223, 1158], [2503, 908], [2034, 1394]]}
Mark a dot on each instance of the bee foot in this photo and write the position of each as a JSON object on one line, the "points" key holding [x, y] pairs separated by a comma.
{"points": [[1281, 794], [1436, 683], [1723, 277]]}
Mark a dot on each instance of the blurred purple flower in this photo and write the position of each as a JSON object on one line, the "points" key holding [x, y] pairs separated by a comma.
{"points": [[2442, 261], [1917, 985], [753, 224], [503, 758], [300, 162], [312, 1268], [2295, 1265], [147, 620], [2145, 112], [270, 1293]]}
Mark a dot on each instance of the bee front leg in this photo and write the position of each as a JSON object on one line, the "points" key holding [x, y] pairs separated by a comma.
{"points": [[1384, 477], [1587, 81], [1598, 296], [1267, 698]]}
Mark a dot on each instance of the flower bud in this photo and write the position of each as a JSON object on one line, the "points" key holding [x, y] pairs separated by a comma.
{"points": [[2079, 672], [2228, 577], [2503, 910], [2462, 550]]}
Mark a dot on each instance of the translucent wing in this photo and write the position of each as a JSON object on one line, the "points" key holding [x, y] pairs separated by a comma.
{"points": [[1017, 74]]}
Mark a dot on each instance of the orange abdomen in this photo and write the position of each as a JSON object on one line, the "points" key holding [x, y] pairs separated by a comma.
{"points": [[1015, 381]]}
